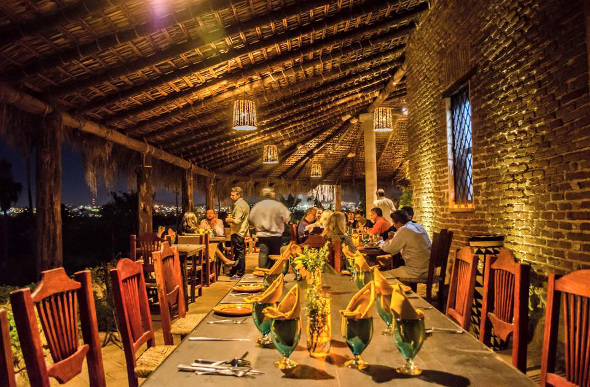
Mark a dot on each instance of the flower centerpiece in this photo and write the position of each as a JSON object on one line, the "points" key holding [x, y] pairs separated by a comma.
{"points": [[310, 264]]}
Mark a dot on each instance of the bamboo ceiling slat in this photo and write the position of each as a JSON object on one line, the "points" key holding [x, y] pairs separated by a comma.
{"points": [[163, 76]]}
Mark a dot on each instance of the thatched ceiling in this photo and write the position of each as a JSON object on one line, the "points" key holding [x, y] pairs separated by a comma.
{"points": [[167, 72]]}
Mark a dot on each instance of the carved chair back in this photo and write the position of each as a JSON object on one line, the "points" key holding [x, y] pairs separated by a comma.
{"points": [[56, 300], [462, 285], [573, 292], [133, 311], [142, 247], [7, 377], [505, 304], [170, 289]]}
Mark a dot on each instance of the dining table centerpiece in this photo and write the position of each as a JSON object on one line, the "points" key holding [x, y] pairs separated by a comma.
{"points": [[319, 322], [311, 262]]}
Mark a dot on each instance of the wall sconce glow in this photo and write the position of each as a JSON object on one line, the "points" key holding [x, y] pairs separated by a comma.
{"points": [[270, 154], [316, 171], [244, 117], [383, 119], [405, 111]]}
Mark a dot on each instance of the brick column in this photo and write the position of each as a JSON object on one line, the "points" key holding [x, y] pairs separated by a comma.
{"points": [[370, 160]]}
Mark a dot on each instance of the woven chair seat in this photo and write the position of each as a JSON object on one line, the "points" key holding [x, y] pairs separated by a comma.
{"points": [[151, 359], [421, 280], [184, 326]]}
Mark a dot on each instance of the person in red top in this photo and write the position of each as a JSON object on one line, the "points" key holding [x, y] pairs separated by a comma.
{"points": [[380, 225]]}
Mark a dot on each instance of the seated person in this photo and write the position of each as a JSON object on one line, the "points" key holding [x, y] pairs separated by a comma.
{"points": [[380, 225], [222, 216], [211, 222], [189, 223], [336, 231], [351, 222], [389, 232], [361, 221], [320, 224], [412, 241], [410, 211], [308, 218]]}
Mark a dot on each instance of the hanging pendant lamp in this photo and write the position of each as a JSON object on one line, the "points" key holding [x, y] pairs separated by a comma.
{"points": [[270, 155], [383, 119], [244, 115], [316, 171]]}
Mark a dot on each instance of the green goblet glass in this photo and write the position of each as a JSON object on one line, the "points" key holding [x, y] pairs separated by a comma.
{"points": [[285, 336], [269, 279], [358, 334], [261, 323], [385, 315], [409, 336], [362, 278]]}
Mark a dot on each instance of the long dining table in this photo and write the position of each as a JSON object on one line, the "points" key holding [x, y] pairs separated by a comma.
{"points": [[447, 359]]}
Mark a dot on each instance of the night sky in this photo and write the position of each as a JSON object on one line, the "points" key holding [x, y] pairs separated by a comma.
{"points": [[74, 188]]}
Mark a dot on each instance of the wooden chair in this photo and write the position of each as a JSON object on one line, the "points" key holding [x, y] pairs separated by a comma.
{"points": [[437, 267], [209, 263], [462, 285], [505, 304], [56, 300], [192, 268], [171, 295], [573, 290], [335, 256], [142, 247], [316, 241], [7, 377], [135, 321]]}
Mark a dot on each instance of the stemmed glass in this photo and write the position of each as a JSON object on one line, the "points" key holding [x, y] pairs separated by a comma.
{"points": [[285, 336], [409, 335], [261, 323], [363, 277], [350, 264], [358, 334], [385, 314]]}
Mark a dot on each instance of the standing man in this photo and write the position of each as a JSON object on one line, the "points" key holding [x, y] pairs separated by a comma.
{"points": [[238, 222], [386, 205], [269, 217]]}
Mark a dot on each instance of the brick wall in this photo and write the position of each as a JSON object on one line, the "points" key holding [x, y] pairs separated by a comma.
{"points": [[531, 125]]}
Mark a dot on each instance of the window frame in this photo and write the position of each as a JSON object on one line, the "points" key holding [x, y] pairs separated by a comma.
{"points": [[453, 206]]}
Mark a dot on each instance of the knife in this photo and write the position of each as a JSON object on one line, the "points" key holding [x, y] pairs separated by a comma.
{"points": [[199, 338]]}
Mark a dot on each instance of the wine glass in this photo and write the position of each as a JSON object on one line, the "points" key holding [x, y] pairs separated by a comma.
{"points": [[358, 334], [285, 336], [269, 279], [350, 264], [260, 322], [409, 336], [363, 278], [385, 314]]}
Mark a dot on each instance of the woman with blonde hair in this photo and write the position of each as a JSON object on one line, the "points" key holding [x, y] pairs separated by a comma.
{"points": [[189, 223]]}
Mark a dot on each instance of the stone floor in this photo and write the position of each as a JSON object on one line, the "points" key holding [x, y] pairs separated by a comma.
{"points": [[114, 358]]}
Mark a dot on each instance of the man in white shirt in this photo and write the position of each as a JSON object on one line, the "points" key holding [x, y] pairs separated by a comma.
{"points": [[386, 205], [212, 222], [238, 221], [413, 242], [268, 217]]}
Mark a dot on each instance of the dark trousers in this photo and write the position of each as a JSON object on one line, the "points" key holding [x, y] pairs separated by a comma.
{"points": [[268, 246], [239, 246]]}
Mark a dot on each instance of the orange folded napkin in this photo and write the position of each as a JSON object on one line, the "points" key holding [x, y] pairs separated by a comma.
{"points": [[276, 268], [401, 306], [271, 295], [360, 263], [288, 309], [381, 285], [360, 304]]}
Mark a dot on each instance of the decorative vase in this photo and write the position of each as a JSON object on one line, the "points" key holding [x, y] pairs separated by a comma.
{"points": [[319, 331]]}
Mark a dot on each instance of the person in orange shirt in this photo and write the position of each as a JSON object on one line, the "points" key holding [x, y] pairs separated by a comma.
{"points": [[380, 225]]}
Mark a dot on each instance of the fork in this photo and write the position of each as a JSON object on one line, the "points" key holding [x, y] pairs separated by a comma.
{"points": [[228, 321]]}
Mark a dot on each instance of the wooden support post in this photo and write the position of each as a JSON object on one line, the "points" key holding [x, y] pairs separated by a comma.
{"points": [[48, 197], [145, 198], [370, 160], [337, 197], [210, 200], [188, 185]]}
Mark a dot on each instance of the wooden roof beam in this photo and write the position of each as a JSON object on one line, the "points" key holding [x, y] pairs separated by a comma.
{"points": [[192, 43], [261, 67]]}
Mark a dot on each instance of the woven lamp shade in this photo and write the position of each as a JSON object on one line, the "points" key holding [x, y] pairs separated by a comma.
{"points": [[244, 115], [316, 171], [270, 155], [383, 119]]}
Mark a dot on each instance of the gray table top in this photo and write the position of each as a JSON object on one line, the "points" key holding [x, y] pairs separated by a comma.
{"points": [[446, 359]]}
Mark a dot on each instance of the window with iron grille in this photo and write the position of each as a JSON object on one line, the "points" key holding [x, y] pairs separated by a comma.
{"points": [[459, 117]]}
